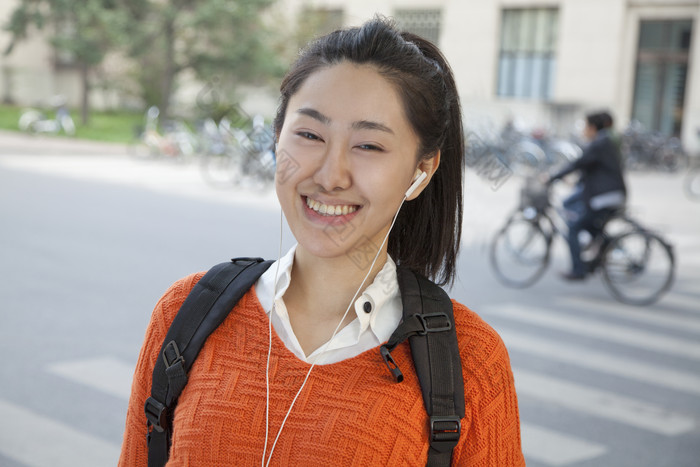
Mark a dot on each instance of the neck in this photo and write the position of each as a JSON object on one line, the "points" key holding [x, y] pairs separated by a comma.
{"points": [[327, 285], [320, 293]]}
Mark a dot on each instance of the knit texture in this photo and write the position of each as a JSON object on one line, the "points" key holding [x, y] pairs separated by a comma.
{"points": [[350, 413]]}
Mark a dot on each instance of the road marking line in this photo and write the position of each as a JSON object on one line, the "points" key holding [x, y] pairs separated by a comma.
{"points": [[105, 374], [686, 303], [603, 404], [603, 362], [607, 331], [657, 317], [38, 441], [556, 449]]}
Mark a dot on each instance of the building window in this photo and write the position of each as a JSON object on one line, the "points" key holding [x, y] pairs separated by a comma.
{"points": [[662, 68], [527, 55], [424, 23]]}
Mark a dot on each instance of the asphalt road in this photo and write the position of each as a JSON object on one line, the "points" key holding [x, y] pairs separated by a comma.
{"points": [[90, 239]]}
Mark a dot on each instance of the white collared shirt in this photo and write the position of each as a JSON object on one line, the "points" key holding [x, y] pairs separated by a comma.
{"points": [[378, 312]]}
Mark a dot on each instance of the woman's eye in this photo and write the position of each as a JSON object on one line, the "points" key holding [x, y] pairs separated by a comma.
{"points": [[307, 135], [369, 147]]}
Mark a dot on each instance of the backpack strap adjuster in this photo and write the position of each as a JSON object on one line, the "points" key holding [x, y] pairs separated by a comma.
{"points": [[156, 414], [171, 355], [444, 432], [433, 322]]}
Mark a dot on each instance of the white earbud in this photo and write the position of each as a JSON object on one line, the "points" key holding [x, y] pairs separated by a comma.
{"points": [[415, 184]]}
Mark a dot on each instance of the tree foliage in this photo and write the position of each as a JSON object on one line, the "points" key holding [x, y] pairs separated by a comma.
{"points": [[223, 39], [82, 32]]}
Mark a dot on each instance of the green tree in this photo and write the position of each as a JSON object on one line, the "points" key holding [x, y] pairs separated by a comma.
{"points": [[82, 32], [225, 40]]}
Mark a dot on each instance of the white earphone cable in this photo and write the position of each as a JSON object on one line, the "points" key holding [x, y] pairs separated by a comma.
{"points": [[325, 346], [269, 348]]}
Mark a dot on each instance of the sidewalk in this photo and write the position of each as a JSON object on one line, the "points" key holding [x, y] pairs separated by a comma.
{"points": [[110, 163], [22, 143]]}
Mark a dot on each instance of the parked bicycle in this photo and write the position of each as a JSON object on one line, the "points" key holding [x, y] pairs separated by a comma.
{"points": [[637, 265], [642, 149], [175, 142], [523, 153], [38, 121], [239, 156]]}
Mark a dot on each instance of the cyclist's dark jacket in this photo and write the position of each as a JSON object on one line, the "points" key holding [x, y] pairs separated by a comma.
{"points": [[600, 166]]}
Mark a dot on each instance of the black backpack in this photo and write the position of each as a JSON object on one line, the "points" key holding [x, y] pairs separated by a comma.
{"points": [[428, 323]]}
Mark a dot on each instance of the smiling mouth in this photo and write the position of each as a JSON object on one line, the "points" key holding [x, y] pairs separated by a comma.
{"points": [[330, 209]]}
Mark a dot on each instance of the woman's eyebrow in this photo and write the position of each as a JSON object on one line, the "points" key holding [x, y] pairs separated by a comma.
{"points": [[358, 125], [370, 125], [315, 114]]}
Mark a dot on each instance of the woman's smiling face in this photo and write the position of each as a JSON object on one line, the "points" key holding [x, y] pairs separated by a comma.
{"points": [[352, 154]]}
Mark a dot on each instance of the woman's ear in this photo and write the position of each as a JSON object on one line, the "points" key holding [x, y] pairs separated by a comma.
{"points": [[429, 166]]}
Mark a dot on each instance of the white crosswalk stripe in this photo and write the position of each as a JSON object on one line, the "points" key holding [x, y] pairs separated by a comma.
{"points": [[607, 331], [545, 445], [685, 302], [60, 444], [600, 403], [556, 449], [630, 329], [105, 374], [39, 441], [603, 362], [647, 315]]}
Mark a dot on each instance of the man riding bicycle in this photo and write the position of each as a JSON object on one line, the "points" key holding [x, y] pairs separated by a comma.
{"points": [[602, 182]]}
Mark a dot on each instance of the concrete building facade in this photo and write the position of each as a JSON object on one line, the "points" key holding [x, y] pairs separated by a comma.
{"points": [[548, 62], [542, 62]]}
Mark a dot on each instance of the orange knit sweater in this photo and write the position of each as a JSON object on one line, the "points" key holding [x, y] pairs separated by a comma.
{"points": [[350, 413]]}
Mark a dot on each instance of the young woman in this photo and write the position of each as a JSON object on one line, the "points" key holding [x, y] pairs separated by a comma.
{"points": [[293, 376]]}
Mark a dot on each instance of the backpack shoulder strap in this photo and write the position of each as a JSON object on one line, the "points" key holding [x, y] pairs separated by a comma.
{"points": [[204, 309], [428, 324]]}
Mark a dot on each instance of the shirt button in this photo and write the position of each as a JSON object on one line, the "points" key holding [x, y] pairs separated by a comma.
{"points": [[367, 307]]}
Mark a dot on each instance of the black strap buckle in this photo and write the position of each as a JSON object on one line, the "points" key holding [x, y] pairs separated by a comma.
{"points": [[444, 432], [156, 414], [171, 355], [391, 364], [428, 320], [247, 259]]}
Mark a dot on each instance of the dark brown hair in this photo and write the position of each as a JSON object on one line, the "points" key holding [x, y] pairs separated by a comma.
{"points": [[427, 232]]}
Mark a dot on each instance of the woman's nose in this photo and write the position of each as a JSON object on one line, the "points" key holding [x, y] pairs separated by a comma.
{"points": [[334, 172]]}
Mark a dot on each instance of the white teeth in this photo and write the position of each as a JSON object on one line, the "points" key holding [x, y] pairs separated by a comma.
{"points": [[330, 210]]}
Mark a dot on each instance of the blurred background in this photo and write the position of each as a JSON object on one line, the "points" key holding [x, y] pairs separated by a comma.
{"points": [[136, 148]]}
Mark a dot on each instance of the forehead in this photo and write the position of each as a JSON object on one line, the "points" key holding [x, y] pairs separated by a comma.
{"points": [[350, 92]]}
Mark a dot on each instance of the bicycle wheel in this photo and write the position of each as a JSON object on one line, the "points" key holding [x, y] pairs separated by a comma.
{"points": [[519, 252], [638, 267]]}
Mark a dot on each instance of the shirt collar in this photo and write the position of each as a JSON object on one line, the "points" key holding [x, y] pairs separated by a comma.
{"points": [[381, 297], [265, 286], [382, 290]]}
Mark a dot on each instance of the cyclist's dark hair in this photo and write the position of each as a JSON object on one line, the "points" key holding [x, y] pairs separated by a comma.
{"points": [[608, 120], [426, 236], [600, 120]]}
